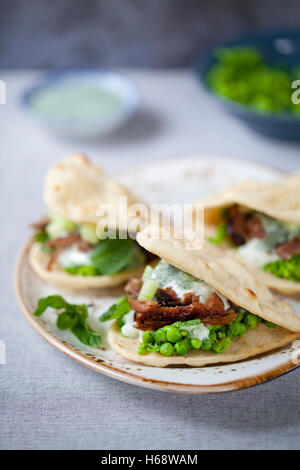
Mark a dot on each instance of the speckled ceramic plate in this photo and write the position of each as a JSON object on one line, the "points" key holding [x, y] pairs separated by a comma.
{"points": [[181, 180]]}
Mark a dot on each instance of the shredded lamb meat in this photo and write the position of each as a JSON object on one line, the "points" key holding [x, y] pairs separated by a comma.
{"points": [[151, 316], [243, 226], [288, 249], [168, 308]]}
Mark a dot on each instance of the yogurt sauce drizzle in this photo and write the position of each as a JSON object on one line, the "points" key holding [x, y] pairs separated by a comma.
{"points": [[183, 283]]}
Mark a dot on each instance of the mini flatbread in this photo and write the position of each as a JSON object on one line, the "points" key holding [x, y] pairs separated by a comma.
{"points": [[231, 279], [61, 279], [256, 341], [75, 189], [280, 200]]}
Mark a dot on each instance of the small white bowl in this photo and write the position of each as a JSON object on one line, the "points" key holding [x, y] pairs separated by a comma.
{"points": [[77, 126]]}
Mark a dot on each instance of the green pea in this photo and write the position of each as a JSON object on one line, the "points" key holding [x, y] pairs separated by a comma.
{"points": [[220, 346], [250, 320], [182, 347], [213, 336], [242, 329], [148, 337], [236, 329], [196, 343], [206, 345], [269, 324], [216, 328], [240, 316], [173, 334], [166, 349], [184, 333], [160, 336], [143, 349]]}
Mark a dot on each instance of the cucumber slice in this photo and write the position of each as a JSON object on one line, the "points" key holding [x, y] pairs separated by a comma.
{"points": [[148, 290], [88, 233], [59, 226], [147, 271]]}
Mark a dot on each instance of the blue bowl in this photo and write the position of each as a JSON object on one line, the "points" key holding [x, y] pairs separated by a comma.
{"points": [[277, 47], [82, 126]]}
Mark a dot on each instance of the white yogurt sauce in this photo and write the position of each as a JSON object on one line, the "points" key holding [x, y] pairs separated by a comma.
{"points": [[128, 328], [198, 331], [260, 252], [256, 254], [200, 288], [183, 283], [72, 257]]}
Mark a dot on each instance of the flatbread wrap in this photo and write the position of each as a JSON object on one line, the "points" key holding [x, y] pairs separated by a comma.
{"points": [[259, 225], [67, 251], [196, 307]]}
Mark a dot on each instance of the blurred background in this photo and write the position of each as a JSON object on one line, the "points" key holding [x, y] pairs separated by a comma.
{"points": [[157, 102], [128, 33]]}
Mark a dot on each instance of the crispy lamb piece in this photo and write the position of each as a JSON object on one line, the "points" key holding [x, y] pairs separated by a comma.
{"points": [[288, 249], [151, 315], [40, 225], [64, 241], [71, 239], [134, 286], [167, 297], [243, 226]]}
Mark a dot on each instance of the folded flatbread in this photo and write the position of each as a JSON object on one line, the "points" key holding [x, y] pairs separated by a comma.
{"points": [[79, 194], [277, 207], [231, 280]]}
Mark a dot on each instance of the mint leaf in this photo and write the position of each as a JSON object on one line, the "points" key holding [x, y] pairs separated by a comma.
{"points": [[184, 324], [117, 311], [86, 335], [73, 317], [66, 320], [53, 301], [110, 256]]}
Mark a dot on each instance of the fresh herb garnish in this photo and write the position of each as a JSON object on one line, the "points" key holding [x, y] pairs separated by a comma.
{"points": [[73, 317], [185, 324], [117, 311], [111, 256], [53, 301]]}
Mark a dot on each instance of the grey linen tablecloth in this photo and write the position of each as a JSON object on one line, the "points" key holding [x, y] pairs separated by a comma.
{"points": [[48, 401]]}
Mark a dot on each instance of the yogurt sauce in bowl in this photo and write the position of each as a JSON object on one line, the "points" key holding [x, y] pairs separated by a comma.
{"points": [[82, 103]]}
